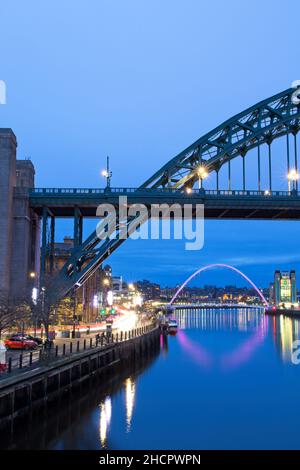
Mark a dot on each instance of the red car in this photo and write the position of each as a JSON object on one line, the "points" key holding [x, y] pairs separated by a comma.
{"points": [[20, 342]]}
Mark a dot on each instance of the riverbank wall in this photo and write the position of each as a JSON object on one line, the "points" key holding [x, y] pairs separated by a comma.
{"points": [[32, 390]]}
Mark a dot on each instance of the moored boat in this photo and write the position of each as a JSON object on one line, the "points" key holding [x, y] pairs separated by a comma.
{"points": [[172, 326]]}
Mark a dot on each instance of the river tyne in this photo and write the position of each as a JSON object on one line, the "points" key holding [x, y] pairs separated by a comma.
{"points": [[228, 380]]}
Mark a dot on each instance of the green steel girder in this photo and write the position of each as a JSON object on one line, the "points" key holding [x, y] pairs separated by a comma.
{"points": [[259, 124]]}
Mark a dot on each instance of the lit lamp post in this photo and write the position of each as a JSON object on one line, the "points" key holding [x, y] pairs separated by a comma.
{"points": [[107, 173], [106, 284], [32, 277], [202, 173], [131, 289], [293, 177], [34, 295], [43, 290]]}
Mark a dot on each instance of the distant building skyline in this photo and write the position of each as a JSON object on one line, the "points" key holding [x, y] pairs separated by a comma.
{"points": [[285, 288]]}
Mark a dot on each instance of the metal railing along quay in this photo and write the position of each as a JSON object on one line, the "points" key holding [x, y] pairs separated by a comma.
{"points": [[48, 356]]}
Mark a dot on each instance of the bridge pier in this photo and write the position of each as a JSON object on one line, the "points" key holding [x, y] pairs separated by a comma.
{"points": [[19, 225], [52, 242], [48, 242], [77, 227], [44, 243]]}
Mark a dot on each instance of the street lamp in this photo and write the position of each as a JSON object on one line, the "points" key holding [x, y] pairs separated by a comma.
{"points": [[293, 177], [110, 298], [107, 173], [202, 173], [43, 290]]}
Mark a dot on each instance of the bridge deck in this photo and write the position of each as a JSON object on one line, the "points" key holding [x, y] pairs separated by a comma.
{"points": [[222, 204]]}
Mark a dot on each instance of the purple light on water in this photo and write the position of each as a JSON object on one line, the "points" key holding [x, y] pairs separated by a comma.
{"points": [[198, 353], [243, 353], [227, 361]]}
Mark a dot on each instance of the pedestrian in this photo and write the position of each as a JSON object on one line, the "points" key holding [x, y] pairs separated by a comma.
{"points": [[3, 357]]}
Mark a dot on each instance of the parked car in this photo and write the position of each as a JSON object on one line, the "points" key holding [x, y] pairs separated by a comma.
{"points": [[20, 342], [36, 339]]}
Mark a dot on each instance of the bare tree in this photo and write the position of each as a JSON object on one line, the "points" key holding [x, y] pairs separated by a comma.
{"points": [[12, 312], [46, 310], [43, 311]]}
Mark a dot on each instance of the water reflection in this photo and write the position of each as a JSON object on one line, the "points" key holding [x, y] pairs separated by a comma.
{"points": [[216, 353], [105, 418], [83, 419], [199, 354], [129, 401], [218, 344], [285, 332], [164, 345], [240, 319]]}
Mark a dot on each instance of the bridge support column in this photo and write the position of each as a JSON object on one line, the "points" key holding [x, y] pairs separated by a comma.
{"points": [[270, 166], [8, 145], [244, 173], [258, 169], [288, 153], [44, 243], [25, 229], [296, 158], [19, 226], [77, 227], [52, 241]]}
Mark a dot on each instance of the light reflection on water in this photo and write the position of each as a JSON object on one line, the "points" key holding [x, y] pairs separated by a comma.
{"points": [[216, 320], [251, 327], [286, 331], [106, 411], [242, 319], [129, 401], [105, 417], [225, 381]]}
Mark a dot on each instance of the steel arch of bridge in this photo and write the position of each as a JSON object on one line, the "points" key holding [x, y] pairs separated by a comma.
{"points": [[219, 265], [262, 123]]}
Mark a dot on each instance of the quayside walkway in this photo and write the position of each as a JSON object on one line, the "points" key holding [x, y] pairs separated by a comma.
{"points": [[29, 385]]}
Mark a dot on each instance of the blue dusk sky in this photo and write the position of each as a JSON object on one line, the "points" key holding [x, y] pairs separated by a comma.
{"points": [[140, 81]]}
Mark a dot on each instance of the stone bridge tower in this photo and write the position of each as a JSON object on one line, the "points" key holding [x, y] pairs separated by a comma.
{"points": [[19, 226]]}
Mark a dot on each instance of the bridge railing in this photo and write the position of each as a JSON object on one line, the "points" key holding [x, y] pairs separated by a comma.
{"points": [[44, 192]]}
